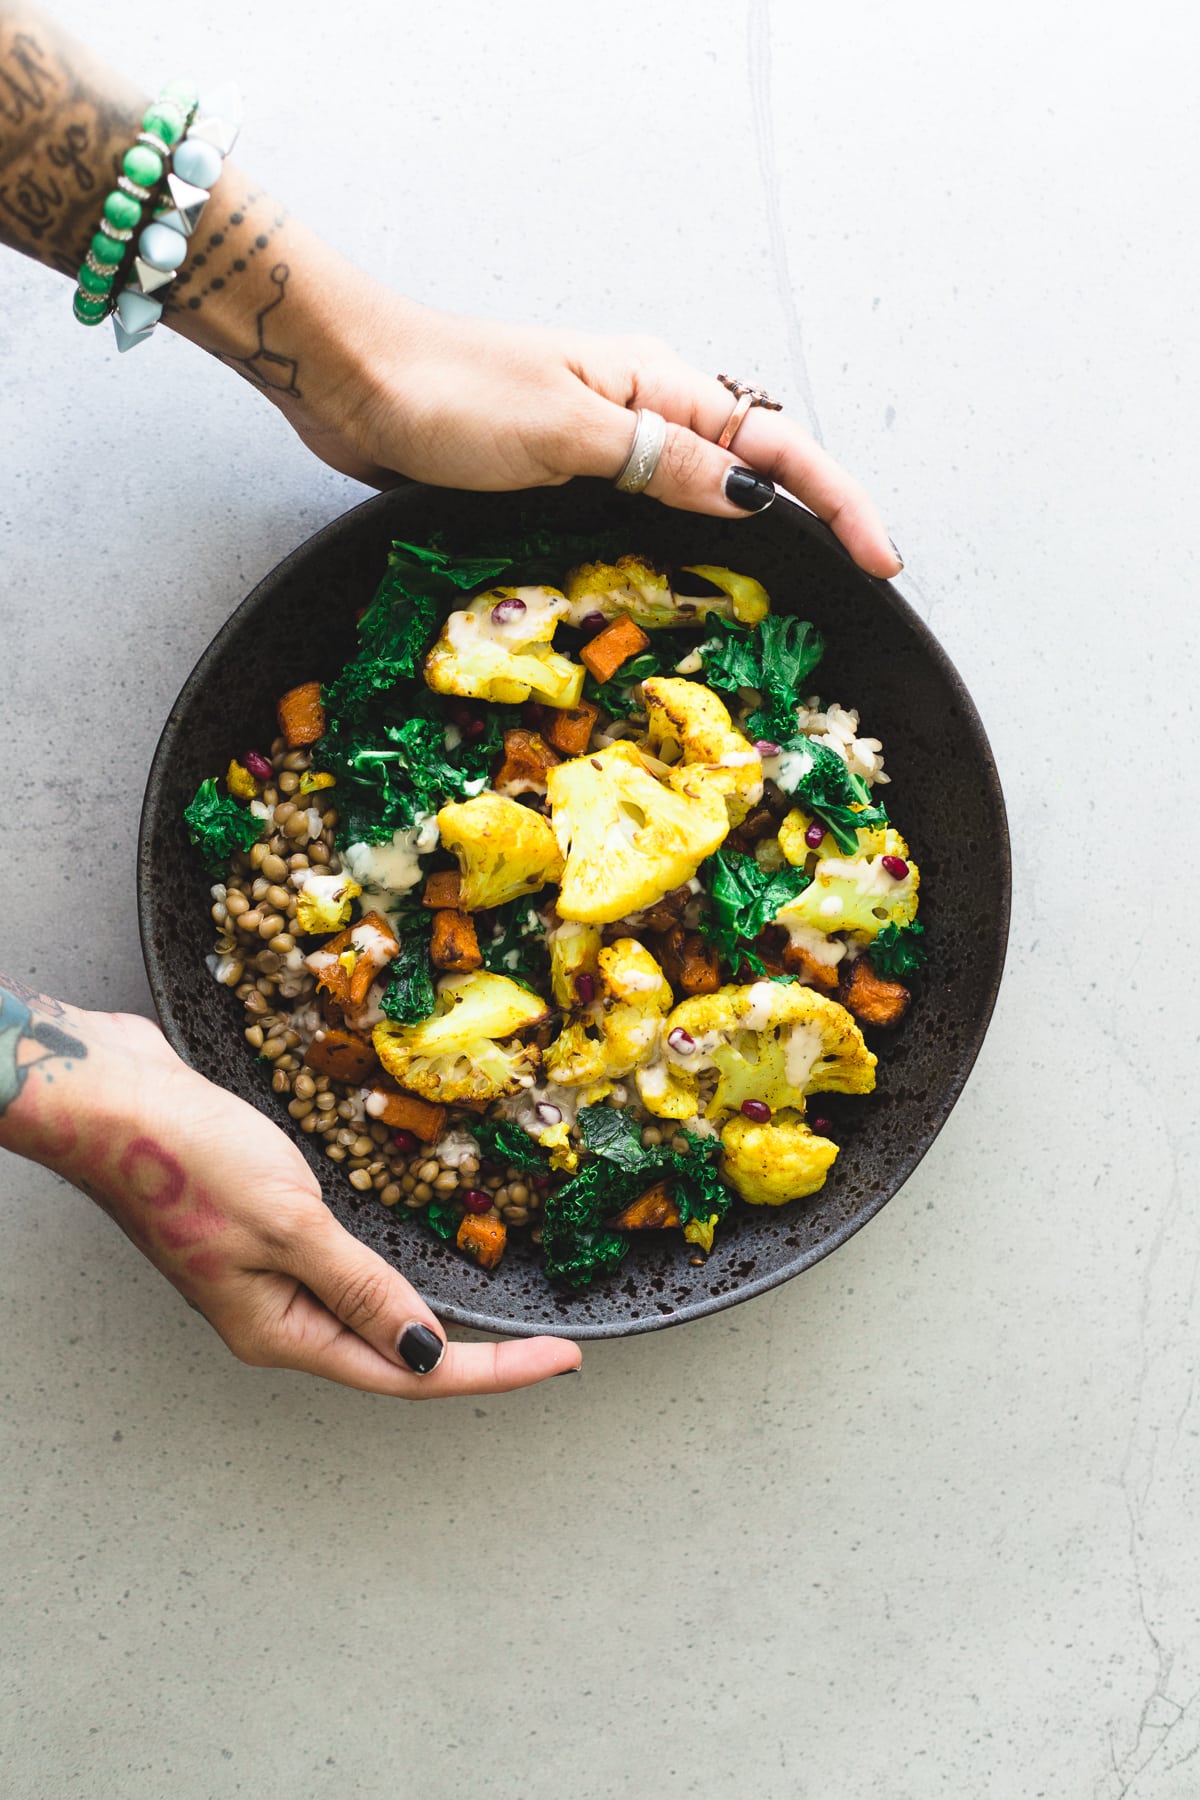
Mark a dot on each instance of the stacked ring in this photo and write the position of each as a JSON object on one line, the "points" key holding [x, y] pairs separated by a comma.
{"points": [[162, 245], [649, 437], [142, 169]]}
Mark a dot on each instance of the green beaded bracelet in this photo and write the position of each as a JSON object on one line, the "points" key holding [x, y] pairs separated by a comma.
{"points": [[143, 170]]}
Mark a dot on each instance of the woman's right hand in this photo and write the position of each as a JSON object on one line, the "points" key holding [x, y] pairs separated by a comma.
{"points": [[224, 1204]]}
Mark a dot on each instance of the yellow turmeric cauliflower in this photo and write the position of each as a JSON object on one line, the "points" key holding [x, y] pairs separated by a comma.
{"points": [[636, 589], [500, 647], [767, 1041], [618, 1030], [458, 1053], [855, 894], [688, 726], [504, 849], [574, 951], [774, 1162], [627, 837], [323, 903]]}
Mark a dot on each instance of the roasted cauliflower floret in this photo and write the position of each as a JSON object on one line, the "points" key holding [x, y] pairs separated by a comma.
{"points": [[775, 1162], [323, 902], [459, 1053], [687, 725], [619, 1029], [504, 849], [500, 648], [627, 837], [767, 1041], [856, 894], [574, 951], [638, 590]]}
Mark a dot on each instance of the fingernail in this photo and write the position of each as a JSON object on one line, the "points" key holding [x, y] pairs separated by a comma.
{"points": [[573, 1371], [753, 493], [896, 548], [420, 1348]]}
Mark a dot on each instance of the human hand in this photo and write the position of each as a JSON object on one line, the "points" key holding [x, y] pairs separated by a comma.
{"points": [[463, 402], [223, 1203]]}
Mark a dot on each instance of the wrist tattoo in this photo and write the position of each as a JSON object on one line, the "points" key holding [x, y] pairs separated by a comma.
{"points": [[29, 1036]]}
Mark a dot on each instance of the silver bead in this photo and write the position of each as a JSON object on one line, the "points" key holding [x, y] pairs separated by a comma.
{"points": [[133, 188], [116, 232], [99, 268], [190, 202], [149, 278]]}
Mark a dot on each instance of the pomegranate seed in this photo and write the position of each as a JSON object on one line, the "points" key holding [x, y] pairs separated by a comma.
{"points": [[895, 866], [585, 987], [405, 1142], [474, 728], [258, 765], [505, 612], [821, 1126], [758, 1110], [548, 1113], [591, 621], [681, 1040], [814, 837], [475, 1200], [766, 747]]}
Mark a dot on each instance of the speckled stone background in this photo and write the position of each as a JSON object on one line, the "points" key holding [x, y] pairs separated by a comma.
{"points": [[921, 1523]]}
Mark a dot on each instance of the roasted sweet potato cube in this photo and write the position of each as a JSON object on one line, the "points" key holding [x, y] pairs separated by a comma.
{"points": [[869, 997], [454, 944], [343, 1055], [407, 1112], [799, 961], [374, 945], [605, 653], [655, 1210], [688, 962], [570, 728], [482, 1238], [441, 889], [301, 715], [527, 757]]}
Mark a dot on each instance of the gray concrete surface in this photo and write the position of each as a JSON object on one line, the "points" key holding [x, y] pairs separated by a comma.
{"points": [[923, 1523]]}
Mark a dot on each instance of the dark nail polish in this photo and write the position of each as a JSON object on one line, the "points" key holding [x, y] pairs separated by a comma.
{"points": [[573, 1371], [421, 1348], [753, 493], [896, 548]]}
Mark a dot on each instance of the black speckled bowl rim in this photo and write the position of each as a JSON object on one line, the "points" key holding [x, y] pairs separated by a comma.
{"points": [[952, 793]]}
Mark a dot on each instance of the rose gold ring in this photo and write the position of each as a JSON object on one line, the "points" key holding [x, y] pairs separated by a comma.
{"points": [[744, 398]]}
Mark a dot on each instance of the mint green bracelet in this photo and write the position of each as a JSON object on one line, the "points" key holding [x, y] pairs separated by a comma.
{"points": [[143, 170]]}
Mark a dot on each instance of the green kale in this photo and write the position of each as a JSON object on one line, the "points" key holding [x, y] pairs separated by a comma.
{"points": [[615, 696], [776, 658], [501, 1141], [745, 899], [578, 1245], [517, 947], [388, 749], [410, 994], [443, 1215], [219, 825], [895, 954], [820, 780]]}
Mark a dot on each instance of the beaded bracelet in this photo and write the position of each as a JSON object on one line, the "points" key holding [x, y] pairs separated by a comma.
{"points": [[142, 168], [163, 244]]}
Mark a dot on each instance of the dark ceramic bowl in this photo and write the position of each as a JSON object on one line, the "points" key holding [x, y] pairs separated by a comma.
{"points": [[945, 797]]}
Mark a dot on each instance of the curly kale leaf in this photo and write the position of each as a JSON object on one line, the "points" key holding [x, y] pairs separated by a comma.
{"points": [[744, 899], [410, 995], [517, 946], [820, 780], [501, 1141], [776, 658], [386, 748], [896, 954], [578, 1245], [616, 696], [443, 1216], [219, 825]]}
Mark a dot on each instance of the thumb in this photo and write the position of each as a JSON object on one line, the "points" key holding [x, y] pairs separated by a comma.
{"points": [[692, 474]]}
